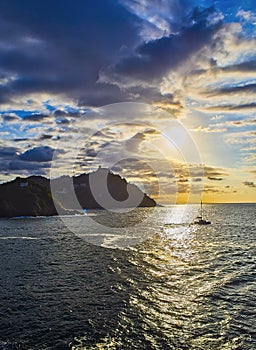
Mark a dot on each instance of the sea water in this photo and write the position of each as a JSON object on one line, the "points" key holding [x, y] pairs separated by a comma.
{"points": [[147, 279]]}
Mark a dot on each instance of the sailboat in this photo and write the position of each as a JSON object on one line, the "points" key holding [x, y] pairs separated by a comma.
{"points": [[199, 219]]}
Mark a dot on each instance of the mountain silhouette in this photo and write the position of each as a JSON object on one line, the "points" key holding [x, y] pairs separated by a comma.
{"points": [[39, 196]]}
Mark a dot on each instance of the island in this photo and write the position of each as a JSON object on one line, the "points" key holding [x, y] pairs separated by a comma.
{"points": [[33, 195]]}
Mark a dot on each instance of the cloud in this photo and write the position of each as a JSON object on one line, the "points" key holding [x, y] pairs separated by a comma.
{"points": [[28, 167], [249, 184], [152, 60], [81, 54], [214, 178], [11, 162], [212, 172], [60, 48], [197, 179], [78, 52], [34, 117], [248, 16], [35, 160], [209, 129], [8, 151], [159, 17], [245, 68], [45, 137], [175, 108], [230, 90], [133, 143], [241, 123], [58, 61], [211, 189], [241, 138], [38, 154], [231, 107], [9, 118]]}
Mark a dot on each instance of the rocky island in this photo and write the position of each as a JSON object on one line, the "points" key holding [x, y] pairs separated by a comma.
{"points": [[32, 196]]}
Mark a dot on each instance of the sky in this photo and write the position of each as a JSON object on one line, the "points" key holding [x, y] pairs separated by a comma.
{"points": [[162, 92]]}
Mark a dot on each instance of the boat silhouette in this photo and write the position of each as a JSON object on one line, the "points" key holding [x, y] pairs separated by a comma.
{"points": [[199, 219]]}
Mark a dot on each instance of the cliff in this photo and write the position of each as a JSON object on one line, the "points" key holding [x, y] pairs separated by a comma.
{"points": [[32, 196]]}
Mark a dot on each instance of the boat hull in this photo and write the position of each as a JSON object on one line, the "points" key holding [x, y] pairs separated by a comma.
{"points": [[202, 222]]}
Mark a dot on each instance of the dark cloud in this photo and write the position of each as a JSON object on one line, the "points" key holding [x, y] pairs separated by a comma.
{"points": [[9, 118], [232, 107], [91, 153], [62, 121], [28, 166], [21, 139], [60, 113], [34, 117], [183, 180], [247, 66], [33, 161], [249, 88], [243, 122], [60, 47], [212, 189], [206, 171], [45, 137], [249, 184], [243, 106], [101, 94], [152, 60], [197, 179], [243, 67], [38, 154], [8, 152], [214, 173]]}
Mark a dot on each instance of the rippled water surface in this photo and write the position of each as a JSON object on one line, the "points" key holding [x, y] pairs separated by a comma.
{"points": [[174, 286]]}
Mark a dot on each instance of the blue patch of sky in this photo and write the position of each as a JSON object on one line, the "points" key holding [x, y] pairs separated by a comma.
{"points": [[12, 131], [20, 112], [70, 109], [230, 83], [229, 9], [18, 130], [49, 107], [232, 117], [66, 108], [29, 127]]}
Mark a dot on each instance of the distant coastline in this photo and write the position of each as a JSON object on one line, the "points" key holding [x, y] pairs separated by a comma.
{"points": [[32, 196]]}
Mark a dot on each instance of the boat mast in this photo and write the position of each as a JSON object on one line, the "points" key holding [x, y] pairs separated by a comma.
{"points": [[201, 209]]}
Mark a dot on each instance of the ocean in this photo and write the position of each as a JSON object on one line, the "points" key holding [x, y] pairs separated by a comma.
{"points": [[145, 280]]}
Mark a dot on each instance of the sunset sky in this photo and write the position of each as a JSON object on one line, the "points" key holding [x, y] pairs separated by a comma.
{"points": [[163, 92]]}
